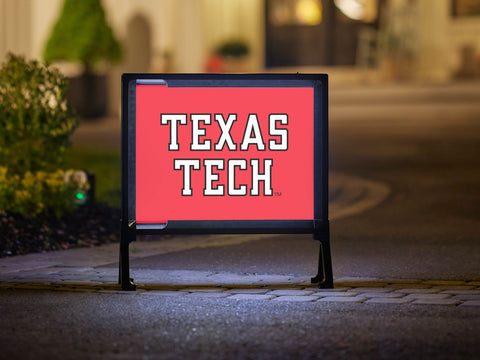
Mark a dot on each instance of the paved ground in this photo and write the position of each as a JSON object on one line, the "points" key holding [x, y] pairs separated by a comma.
{"points": [[86, 325], [405, 246]]}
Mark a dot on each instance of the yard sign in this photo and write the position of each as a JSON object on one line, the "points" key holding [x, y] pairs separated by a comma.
{"points": [[207, 153]]}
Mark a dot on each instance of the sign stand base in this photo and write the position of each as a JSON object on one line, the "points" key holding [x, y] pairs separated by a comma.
{"points": [[126, 237], [324, 277]]}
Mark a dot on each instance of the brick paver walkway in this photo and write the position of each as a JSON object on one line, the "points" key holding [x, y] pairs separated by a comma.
{"points": [[244, 287]]}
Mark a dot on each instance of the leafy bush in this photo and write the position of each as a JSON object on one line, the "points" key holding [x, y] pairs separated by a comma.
{"points": [[234, 48], [35, 125], [39, 192], [35, 118]]}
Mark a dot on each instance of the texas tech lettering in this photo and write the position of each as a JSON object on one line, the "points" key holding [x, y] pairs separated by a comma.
{"points": [[221, 174]]}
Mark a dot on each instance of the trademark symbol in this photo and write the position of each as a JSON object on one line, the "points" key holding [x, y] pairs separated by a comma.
{"points": [[278, 193]]}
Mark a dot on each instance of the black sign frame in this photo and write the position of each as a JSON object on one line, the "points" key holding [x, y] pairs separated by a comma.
{"points": [[319, 226]]}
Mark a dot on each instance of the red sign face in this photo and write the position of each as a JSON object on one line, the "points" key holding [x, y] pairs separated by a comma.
{"points": [[231, 153]]}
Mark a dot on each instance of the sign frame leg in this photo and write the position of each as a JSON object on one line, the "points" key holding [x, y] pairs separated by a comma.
{"points": [[126, 237], [324, 277]]}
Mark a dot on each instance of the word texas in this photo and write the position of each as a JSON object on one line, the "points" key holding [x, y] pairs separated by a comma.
{"points": [[216, 182]]}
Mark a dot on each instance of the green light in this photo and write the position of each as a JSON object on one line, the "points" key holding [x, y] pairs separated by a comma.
{"points": [[80, 196]]}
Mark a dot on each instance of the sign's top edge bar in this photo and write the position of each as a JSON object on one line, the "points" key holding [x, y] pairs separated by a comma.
{"points": [[222, 75], [151, 82], [227, 80], [162, 79]]}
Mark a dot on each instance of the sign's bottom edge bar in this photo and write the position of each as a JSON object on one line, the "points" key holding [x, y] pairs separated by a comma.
{"points": [[233, 227]]}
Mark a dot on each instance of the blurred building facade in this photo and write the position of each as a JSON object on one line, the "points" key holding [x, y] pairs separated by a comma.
{"points": [[427, 40]]}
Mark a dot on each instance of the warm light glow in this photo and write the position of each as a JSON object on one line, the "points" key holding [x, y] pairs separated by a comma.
{"points": [[309, 12], [295, 12], [351, 8], [357, 9]]}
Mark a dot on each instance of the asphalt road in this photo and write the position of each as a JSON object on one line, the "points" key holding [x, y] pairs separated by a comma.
{"points": [[62, 325], [427, 152]]}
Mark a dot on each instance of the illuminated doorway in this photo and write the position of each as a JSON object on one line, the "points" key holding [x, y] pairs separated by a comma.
{"points": [[315, 32]]}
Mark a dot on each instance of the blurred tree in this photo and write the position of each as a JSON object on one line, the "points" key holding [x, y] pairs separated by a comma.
{"points": [[82, 34]]}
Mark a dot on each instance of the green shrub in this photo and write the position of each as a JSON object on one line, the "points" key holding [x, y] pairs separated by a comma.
{"points": [[35, 118], [233, 48], [4, 187], [35, 126], [39, 192]]}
